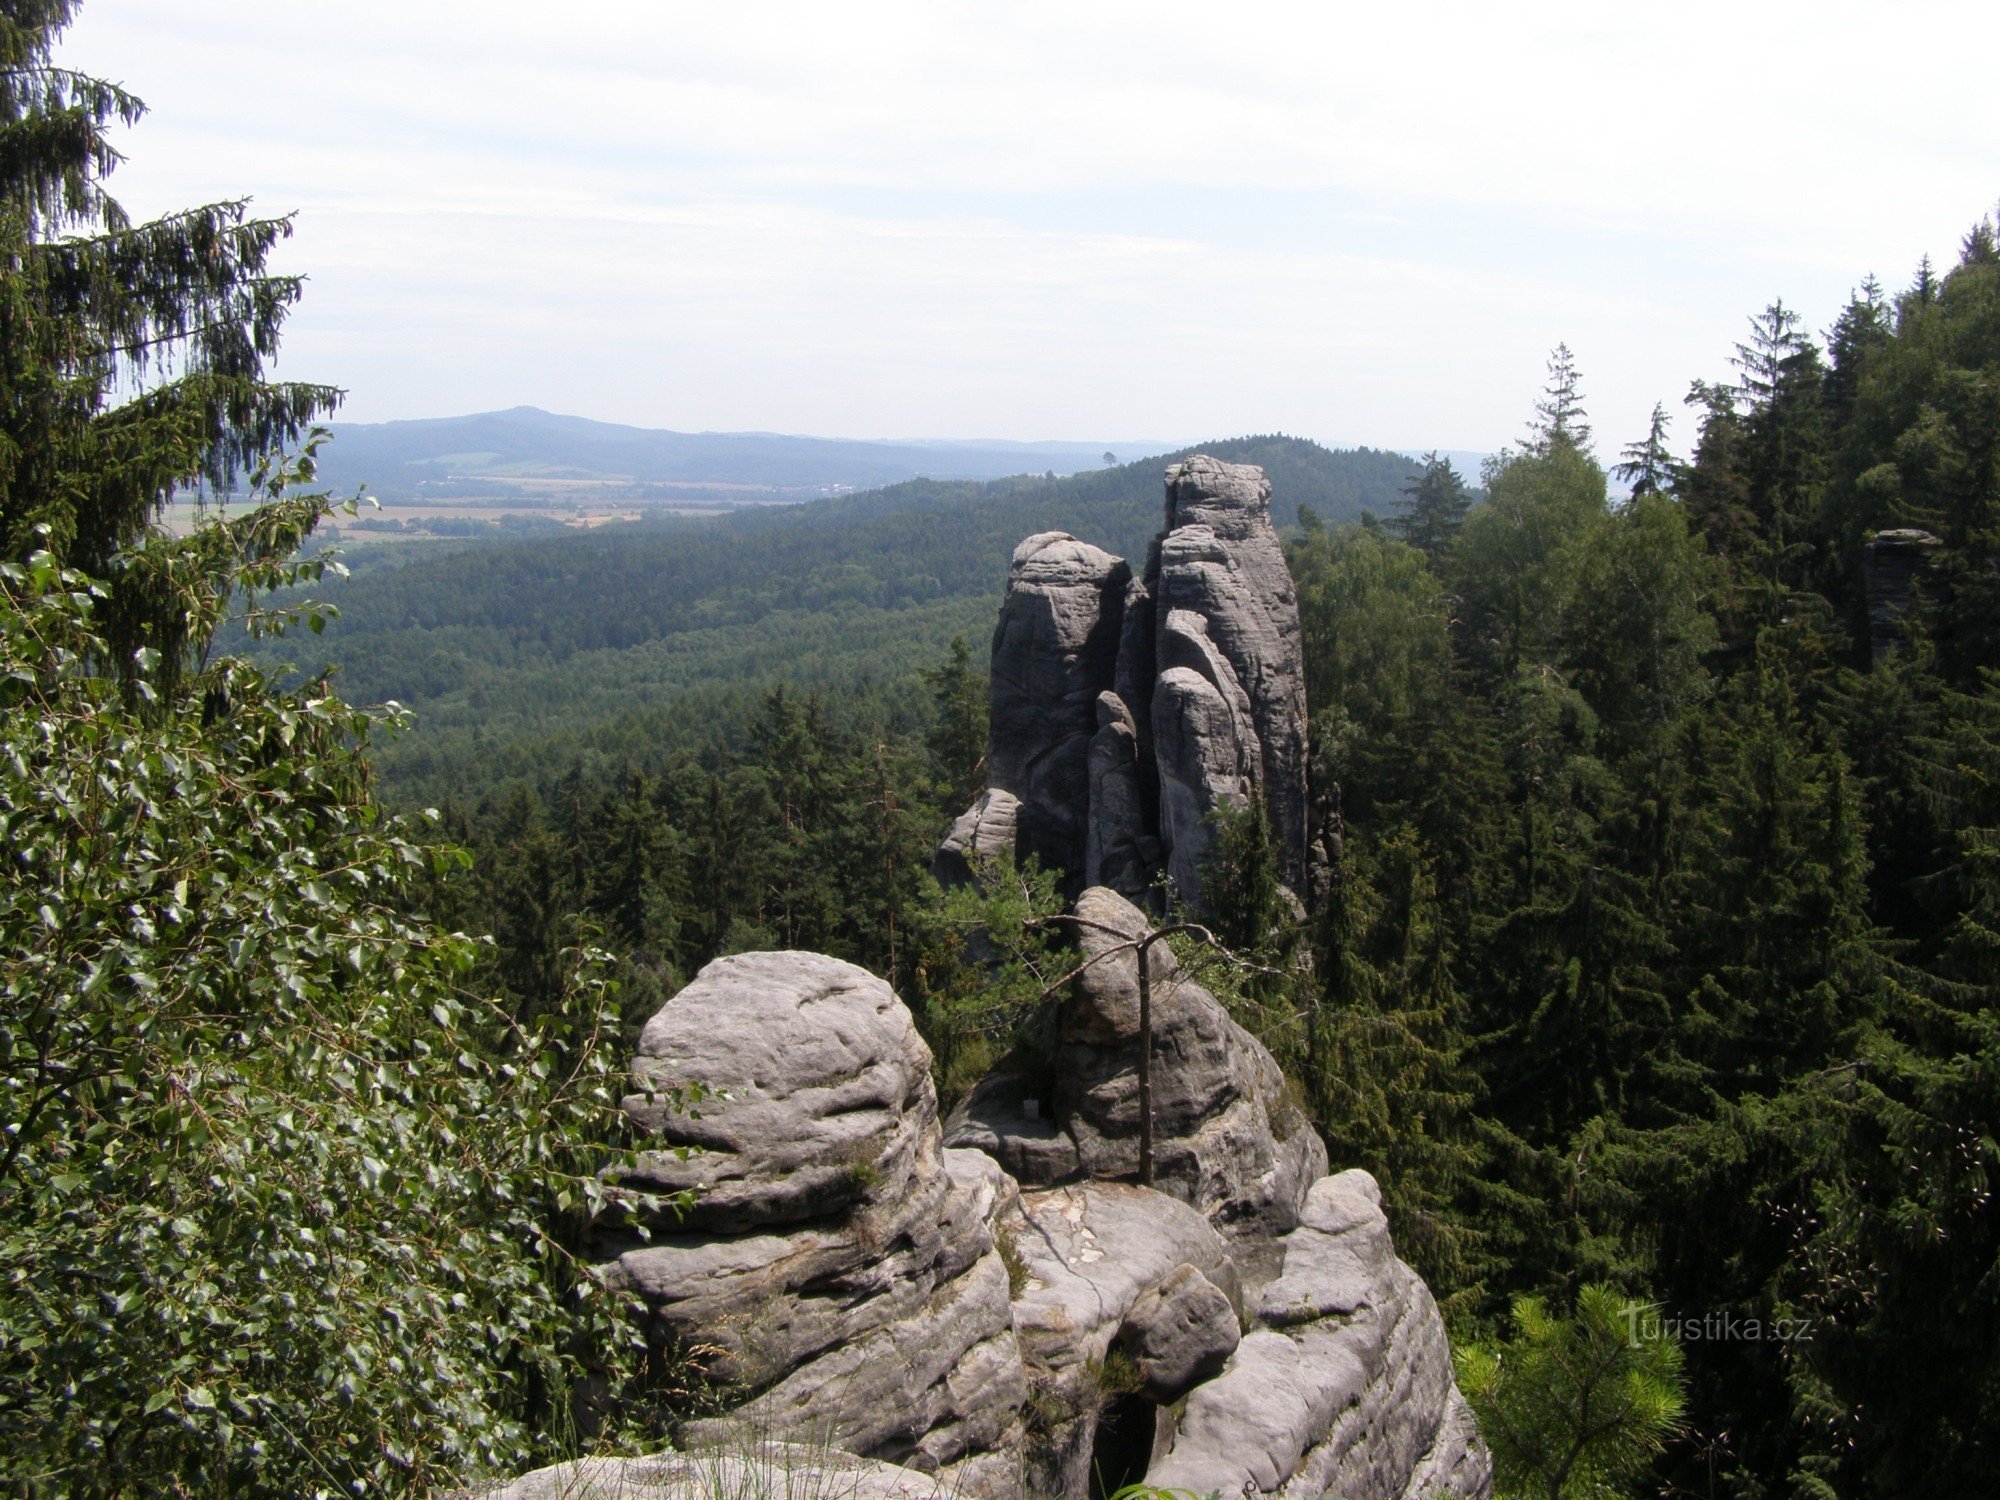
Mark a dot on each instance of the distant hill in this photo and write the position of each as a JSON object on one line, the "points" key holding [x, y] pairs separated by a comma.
{"points": [[522, 655], [403, 460]]}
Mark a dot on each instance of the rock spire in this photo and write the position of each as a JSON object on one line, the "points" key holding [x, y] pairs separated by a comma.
{"points": [[1126, 710]]}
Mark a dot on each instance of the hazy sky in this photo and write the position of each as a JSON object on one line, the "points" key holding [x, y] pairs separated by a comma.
{"points": [[1360, 223]]}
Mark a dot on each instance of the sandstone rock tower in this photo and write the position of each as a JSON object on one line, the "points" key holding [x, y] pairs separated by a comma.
{"points": [[1126, 710]]}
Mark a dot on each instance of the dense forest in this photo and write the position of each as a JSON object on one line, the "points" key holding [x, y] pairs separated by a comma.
{"points": [[526, 657], [1657, 952], [1660, 945]]}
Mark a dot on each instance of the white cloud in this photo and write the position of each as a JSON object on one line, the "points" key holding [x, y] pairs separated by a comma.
{"points": [[1037, 219]]}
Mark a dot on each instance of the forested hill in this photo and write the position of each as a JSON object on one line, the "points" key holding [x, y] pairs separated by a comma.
{"points": [[522, 657]]}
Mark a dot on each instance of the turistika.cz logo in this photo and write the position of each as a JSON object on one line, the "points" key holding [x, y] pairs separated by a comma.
{"points": [[1648, 1322]]}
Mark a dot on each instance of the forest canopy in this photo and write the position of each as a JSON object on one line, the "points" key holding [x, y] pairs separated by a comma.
{"points": [[1659, 953]]}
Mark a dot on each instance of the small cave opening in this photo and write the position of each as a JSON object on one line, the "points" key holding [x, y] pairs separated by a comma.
{"points": [[1122, 1449]]}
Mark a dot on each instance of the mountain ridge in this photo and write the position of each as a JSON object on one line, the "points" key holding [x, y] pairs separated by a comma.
{"points": [[399, 460]]}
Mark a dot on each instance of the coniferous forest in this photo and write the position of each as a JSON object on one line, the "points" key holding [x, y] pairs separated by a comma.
{"points": [[1660, 946], [1659, 951]]}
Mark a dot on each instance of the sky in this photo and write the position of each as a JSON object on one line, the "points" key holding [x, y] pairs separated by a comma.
{"points": [[1087, 220]]}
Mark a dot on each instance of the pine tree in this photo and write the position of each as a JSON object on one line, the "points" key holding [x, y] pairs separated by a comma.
{"points": [[1575, 1406]]}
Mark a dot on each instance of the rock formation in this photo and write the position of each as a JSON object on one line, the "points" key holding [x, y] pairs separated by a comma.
{"points": [[1889, 569], [1054, 651], [808, 1471], [1227, 1139], [998, 1306], [854, 1283], [837, 1263], [1126, 710], [1346, 1387], [1220, 561]]}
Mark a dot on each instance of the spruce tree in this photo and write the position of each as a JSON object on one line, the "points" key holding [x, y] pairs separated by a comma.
{"points": [[1649, 466], [1433, 508], [132, 356], [1386, 1054], [957, 738], [1559, 414]]}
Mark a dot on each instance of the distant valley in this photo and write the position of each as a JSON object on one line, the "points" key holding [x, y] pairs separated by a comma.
{"points": [[525, 654], [532, 462]]}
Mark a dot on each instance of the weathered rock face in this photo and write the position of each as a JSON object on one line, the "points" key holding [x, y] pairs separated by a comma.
{"points": [[1126, 710], [753, 1469], [836, 1259], [1107, 1261], [1112, 1270], [1221, 561], [1890, 566], [984, 831], [1227, 1139], [1054, 651], [1345, 1388], [859, 1286], [1118, 851], [1206, 745]]}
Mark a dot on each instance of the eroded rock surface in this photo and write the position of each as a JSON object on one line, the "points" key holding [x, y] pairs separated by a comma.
{"points": [[1121, 1283], [856, 1285], [756, 1469], [1206, 748], [1891, 564], [984, 832], [1221, 560], [1093, 1253], [1228, 1140], [1054, 650], [837, 1263], [1345, 1387], [1126, 710]]}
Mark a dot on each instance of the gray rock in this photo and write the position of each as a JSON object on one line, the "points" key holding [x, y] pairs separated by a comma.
{"points": [[1351, 1393], [1221, 560], [1054, 650], [1180, 1333], [1118, 851], [822, 1093], [1092, 1251], [994, 1118], [837, 1271], [1227, 1138], [1203, 660], [1205, 746], [754, 1468], [1091, 1255], [984, 832], [929, 1388], [1138, 669], [1890, 566]]}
